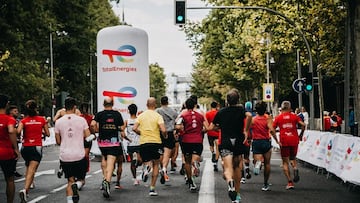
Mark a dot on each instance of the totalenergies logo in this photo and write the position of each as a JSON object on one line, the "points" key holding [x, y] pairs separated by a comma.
{"points": [[122, 53], [124, 95]]}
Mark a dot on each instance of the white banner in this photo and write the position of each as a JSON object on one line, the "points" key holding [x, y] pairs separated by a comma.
{"points": [[123, 67], [337, 153]]}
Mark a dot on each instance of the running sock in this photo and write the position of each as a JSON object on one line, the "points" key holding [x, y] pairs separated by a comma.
{"points": [[69, 199], [231, 184], [152, 187], [79, 184]]}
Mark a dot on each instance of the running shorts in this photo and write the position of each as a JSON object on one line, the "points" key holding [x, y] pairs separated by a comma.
{"points": [[261, 146], [31, 153], [75, 169], [150, 151]]}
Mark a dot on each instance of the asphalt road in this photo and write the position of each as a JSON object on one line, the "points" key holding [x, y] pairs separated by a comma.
{"points": [[312, 187]]}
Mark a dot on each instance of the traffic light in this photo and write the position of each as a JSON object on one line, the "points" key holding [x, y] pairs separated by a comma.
{"points": [[180, 12], [309, 82]]}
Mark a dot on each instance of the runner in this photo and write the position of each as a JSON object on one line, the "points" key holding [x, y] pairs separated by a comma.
{"points": [[9, 151], [70, 131], [134, 142], [169, 115], [261, 126], [213, 135], [289, 140], [230, 120], [192, 123], [32, 128], [149, 125], [108, 123], [245, 172], [14, 112], [84, 109]]}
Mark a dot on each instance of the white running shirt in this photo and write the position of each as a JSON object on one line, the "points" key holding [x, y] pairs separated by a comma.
{"points": [[71, 129]]}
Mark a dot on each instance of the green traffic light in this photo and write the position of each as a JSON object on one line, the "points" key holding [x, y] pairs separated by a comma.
{"points": [[180, 18], [308, 87]]}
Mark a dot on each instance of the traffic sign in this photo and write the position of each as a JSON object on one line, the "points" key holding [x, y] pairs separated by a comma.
{"points": [[268, 92], [299, 85]]}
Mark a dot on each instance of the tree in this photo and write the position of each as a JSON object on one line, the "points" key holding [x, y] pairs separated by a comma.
{"points": [[229, 54], [157, 82], [25, 30]]}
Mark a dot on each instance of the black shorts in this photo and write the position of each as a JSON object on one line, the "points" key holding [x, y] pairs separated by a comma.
{"points": [[8, 167], [132, 149], [168, 142], [192, 148], [31, 153], [150, 151], [211, 140], [75, 169], [233, 147], [261, 146], [114, 151]]}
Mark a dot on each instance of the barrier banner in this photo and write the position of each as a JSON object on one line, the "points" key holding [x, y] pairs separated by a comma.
{"points": [[351, 165], [339, 154]]}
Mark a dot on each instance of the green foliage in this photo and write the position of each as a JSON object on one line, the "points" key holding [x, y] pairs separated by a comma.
{"points": [[25, 31], [229, 52], [157, 82]]}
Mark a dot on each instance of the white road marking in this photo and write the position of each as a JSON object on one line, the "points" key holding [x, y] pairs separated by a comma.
{"points": [[207, 187], [38, 199], [47, 172]]}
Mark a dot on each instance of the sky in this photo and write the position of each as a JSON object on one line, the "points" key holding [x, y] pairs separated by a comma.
{"points": [[167, 44]]}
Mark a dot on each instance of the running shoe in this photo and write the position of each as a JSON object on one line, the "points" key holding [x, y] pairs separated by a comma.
{"points": [[296, 176], [247, 173], [213, 158], [182, 170], [290, 185], [17, 174], [265, 187], [162, 177], [114, 174], [186, 180], [196, 168], [243, 180], [216, 167], [136, 182], [231, 191], [23, 196], [238, 199], [60, 172], [118, 186], [153, 192], [257, 167], [106, 186], [32, 186], [172, 170], [192, 185], [145, 173], [167, 179], [75, 191]]}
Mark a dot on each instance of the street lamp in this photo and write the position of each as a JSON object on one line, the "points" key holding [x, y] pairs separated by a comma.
{"points": [[58, 33]]}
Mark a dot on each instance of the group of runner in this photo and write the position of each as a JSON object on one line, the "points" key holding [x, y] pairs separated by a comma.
{"points": [[153, 136]]}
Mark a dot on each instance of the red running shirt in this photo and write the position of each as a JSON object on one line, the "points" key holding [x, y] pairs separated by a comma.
{"points": [[193, 125], [32, 131], [6, 150], [210, 115], [288, 132], [260, 130]]}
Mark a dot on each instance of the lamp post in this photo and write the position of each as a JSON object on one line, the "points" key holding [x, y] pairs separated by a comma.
{"points": [[52, 75], [58, 33]]}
